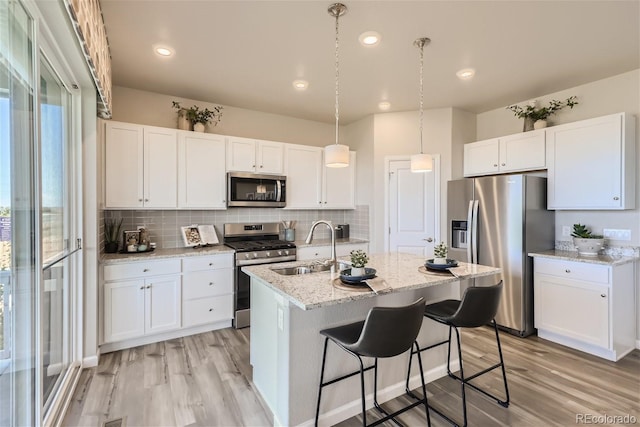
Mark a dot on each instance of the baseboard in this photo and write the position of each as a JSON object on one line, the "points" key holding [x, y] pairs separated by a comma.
{"points": [[91, 361], [354, 407]]}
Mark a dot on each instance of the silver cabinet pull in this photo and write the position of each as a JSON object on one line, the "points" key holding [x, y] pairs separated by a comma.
{"points": [[504, 164], [145, 270], [603, 295], [210, 264], [495, 165], [211, 309], [139, 200], [567, 271], [261, 166], [141, 287], [616, 198], [210, 283], [148, 286]]}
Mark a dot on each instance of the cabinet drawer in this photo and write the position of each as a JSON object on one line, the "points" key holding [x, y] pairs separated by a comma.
{"points": [[201, 284], [573, 270], [197, 263], [207, 310], [141, 269]]}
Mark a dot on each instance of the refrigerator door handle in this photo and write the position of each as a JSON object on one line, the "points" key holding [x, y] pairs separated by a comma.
{"points": [[470, 232], [474, 233]]}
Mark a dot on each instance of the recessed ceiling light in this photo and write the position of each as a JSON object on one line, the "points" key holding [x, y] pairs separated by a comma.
{"points": [[370, 38], [300, 84], [466, 73], [163, 51], [384, 105]]}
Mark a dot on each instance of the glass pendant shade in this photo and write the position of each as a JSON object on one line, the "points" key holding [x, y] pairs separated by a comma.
{"points": [[421, 163], [336, 156]]}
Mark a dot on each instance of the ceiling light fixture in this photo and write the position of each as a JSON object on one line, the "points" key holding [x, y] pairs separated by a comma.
{"points": [[300, 84], [369, 38], [421, 162], [384, 105], [466, 73], [163, 51], [337, 155]]}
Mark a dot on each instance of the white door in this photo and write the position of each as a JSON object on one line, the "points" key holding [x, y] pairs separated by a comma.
{"points": [[412, 209]]}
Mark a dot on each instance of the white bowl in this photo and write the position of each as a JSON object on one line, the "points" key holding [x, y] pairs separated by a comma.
{"points": [[588, 247]]}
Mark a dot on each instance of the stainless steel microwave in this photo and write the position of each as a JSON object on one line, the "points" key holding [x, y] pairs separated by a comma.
{"points": [[256, 190]]}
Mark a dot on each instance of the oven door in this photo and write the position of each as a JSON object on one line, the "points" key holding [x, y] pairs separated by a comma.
{"points": [[255, 190]]}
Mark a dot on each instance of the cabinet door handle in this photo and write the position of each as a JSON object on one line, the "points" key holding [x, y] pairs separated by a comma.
{"points": [[148, 286], [139, 200], [495, 165], [141, 287], [145, 270], [210, 264], [253, 166], [616, 198], [211, 309], [504, 164], [210, 283], [325, 203], [603, 295], [261, 166], [567, 271]]}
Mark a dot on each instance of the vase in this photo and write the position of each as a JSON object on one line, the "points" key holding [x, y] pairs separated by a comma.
{"points": [[439, 260], [540, 124], [357, 271], [528, 124], [183, 122], [198, 127], [111, 247]]}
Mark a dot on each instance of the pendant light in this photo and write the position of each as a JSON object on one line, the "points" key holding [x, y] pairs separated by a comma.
{"points": [[421, 162], [337, 155]]}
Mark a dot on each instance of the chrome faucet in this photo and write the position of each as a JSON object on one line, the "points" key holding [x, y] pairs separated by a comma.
{"points": [[333, 259]]}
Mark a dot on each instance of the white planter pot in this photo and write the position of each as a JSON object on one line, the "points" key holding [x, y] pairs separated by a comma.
{"points": [[439, 260], [588, 247], [198, 127], [357, 271], [540, 124]]}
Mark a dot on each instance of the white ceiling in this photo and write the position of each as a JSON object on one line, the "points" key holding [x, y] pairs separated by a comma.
{"points": [[247, 53]]}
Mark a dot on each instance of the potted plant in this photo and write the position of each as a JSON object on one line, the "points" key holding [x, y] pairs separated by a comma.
{"points": [[440, 253], [198, 117], [586, 242], [112, 234], [531, 114], [359, 259]]}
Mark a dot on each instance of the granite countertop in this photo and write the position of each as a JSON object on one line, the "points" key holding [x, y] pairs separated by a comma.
{"points": [[164, 253], [398, 270], [327, 242], [575, 256]]}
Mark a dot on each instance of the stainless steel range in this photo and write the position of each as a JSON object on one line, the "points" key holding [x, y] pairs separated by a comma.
{"points": [[254, 244]]}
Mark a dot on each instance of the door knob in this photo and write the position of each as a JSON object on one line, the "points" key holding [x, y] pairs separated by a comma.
{"points": [[428, 239]]}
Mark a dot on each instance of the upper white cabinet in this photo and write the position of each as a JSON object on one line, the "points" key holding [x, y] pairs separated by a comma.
{"points": [[311, 185], [518, 152], [201, 171], [592, 164], [251, 155], [140, 166]]}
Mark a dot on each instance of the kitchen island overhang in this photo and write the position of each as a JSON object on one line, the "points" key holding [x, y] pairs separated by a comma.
{"points": [[286, 347]]}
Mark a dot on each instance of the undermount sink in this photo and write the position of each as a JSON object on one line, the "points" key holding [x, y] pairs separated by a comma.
{"points": [[306, 269]]}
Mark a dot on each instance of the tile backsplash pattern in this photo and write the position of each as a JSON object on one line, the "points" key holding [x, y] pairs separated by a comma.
{"points": [[164, 226]]}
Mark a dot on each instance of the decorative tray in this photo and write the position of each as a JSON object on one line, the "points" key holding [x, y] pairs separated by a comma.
{"points": [[347, 278], [450, 263], [137, 252]]}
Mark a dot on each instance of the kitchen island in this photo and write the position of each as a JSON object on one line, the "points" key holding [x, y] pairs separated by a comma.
{"points": [[287, 313]]}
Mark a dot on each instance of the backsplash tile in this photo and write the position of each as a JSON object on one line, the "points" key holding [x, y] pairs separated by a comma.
{"points": [[164, 226], [613, 251]]}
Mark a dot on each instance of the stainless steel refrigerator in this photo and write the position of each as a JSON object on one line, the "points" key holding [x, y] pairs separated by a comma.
{"points": [[497, 221]]}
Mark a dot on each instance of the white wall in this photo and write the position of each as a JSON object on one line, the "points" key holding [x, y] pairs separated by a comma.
{"points": [[149, 108]]}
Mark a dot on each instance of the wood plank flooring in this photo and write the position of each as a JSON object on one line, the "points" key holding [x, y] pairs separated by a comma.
{"points": [[205, 380]]}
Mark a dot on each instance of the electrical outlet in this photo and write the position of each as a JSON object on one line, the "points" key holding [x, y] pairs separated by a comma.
{"points": [[566, 231], [614, 234]]}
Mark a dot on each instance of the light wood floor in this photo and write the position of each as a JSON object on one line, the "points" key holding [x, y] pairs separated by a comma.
{"points": [[204, 380]]}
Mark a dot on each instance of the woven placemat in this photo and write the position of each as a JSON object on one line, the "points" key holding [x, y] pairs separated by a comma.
{"points": [[337, 283]]}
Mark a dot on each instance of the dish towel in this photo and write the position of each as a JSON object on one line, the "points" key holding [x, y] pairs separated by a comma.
{"points": [[378, 285]]}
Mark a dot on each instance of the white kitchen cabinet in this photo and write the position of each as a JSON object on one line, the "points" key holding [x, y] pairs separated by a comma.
{"points": [[201, 171], [311, 185], [140, 167], [207, 289], [123, 310], [592, 164], [252, 155], [586, 306], [324, 251], [513, 153]]}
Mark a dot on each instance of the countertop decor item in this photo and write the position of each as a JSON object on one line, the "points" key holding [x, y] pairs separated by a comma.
{"points": [[531, 114], [198, 117], [352, 275], [421, 162], [359, 260], [337, 155], [586, 242], [440, 253], [431, 264], [112, 228]]}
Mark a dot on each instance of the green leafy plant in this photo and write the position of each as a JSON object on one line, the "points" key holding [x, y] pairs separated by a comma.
{"points": [[440, 250], [112, 228], [543, 113], [197, 115], [359, 258], [582, 232]]}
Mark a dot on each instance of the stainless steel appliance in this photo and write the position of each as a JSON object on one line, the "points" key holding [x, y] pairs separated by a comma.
{"points": [[256, 190], [254, 244], [496, 221]]}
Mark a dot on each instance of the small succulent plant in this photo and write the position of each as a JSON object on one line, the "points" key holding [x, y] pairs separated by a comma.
{"points": [[359, 258], [582, 232], [440, 250]]}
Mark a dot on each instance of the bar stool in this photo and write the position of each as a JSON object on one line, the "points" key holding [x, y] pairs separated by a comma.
{"points": [[477, 308], [386, 332]]}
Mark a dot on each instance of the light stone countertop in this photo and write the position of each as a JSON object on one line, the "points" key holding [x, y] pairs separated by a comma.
{"points": [[164, 253], [575, 256], [327, 242], [399, 270]]}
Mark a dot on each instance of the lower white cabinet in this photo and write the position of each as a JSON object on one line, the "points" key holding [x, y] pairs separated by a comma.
{"points": [[586, 306], [324, 252]]}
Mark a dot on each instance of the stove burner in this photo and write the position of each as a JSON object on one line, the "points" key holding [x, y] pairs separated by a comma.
{"points": [[260, 245]]}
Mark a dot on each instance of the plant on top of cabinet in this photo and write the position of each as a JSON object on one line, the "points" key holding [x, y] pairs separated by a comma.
{"points": [[531, 114], [197, 116]]}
